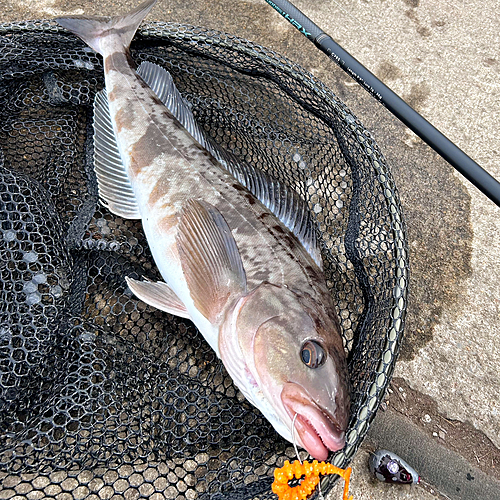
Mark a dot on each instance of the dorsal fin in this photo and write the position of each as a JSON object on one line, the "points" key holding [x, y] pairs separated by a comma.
{"points": [[161, 83], [283, 202]]}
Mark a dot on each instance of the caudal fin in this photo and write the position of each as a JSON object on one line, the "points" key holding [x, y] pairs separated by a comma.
{"points": [[107, 33]]}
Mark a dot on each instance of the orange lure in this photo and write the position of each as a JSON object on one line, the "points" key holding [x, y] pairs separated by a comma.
{"points": [[311, 471]]}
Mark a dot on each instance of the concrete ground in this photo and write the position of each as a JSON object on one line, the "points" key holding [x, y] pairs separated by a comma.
{"points": [[443, 58]]}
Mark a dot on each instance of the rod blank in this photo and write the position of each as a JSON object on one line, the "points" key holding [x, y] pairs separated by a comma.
{"points": [[399, 108]]}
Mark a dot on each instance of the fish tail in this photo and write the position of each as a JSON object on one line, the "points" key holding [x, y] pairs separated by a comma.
{"points": [[107, 34]]}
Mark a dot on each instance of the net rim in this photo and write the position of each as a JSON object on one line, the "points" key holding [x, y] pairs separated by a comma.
{"points": [[392, 338]]}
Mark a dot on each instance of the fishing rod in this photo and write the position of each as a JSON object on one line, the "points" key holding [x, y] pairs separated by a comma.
{"points": [[414, 121]]}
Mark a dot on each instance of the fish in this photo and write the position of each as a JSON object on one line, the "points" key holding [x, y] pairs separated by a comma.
{"points": [[231, 257]]}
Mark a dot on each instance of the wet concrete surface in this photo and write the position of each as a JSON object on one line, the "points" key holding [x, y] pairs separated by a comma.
{"points": [[443, 58]]}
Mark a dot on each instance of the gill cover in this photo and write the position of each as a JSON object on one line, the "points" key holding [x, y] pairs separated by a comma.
{"points": [[274, 327]]}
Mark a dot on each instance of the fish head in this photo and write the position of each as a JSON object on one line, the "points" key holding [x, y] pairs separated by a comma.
{"points": [[294, 352]]}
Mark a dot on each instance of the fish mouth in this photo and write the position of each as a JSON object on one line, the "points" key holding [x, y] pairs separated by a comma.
{"points": [[318, 432]]}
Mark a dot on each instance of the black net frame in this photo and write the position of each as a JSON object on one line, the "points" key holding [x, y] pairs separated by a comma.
{"points": [[102, 396]]}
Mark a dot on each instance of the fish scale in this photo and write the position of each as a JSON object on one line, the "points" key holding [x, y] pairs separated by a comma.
{"points": [[229, 264], [187, 171]]}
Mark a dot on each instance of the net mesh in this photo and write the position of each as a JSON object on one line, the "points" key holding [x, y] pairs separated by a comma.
{"points": [[101, 395]]}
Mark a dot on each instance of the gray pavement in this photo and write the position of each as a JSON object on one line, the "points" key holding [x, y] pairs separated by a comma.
{"points": [[443, 57], [445, 474]]}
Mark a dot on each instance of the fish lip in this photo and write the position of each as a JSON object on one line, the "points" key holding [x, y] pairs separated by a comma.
{"points": [[318, 432]]}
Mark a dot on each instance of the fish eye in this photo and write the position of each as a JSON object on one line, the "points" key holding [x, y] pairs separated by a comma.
{"points": [[313, 354]]}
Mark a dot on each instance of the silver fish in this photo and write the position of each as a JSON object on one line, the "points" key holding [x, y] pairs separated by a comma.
{"points": [[229, 264]]}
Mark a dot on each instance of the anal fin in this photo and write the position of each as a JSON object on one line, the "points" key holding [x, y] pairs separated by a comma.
{"points": [[115, 190]]}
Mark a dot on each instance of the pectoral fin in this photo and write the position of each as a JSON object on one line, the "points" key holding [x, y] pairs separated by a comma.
{"points": [[159, 295], [210, 258]]}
